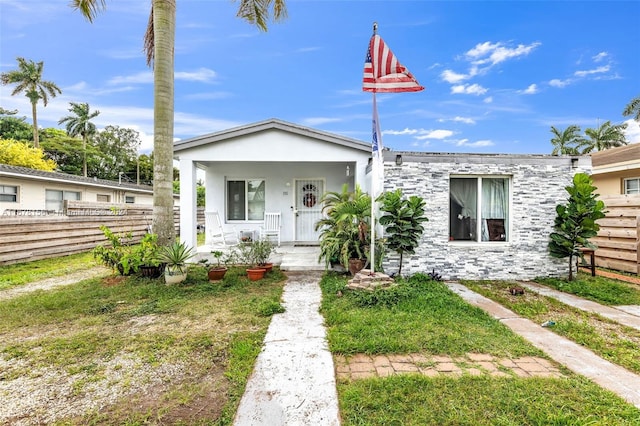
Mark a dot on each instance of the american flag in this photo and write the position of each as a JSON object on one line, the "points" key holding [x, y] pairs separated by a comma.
{"points": [[383, 73]]}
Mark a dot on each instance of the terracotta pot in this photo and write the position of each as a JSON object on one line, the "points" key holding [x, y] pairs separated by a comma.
{"points": [[216, 274], [256, 274], [356, 265], [267, 266]]}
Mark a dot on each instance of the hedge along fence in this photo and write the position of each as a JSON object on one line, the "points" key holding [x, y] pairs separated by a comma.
{"points": [[77, 230], [617, 239]]}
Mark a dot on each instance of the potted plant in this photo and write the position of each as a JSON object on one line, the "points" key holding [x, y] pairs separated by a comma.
{"points": [[217, 272], [148, 257], [344, 231], [176, 256], [262, 250]]}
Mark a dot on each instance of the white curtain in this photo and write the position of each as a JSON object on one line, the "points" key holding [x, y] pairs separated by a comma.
{"points": [[464, 192], [495, 192]]}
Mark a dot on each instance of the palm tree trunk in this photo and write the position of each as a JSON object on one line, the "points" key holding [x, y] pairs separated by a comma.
{"points": [[84, 155], [36, 139], [164, 20]]}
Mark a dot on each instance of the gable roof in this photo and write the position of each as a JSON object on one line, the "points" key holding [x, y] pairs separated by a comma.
{"points": [[33, 174], [270, 124]]}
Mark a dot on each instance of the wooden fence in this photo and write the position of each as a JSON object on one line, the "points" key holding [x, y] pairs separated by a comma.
{"points": [[27, 236], [617, 239]]}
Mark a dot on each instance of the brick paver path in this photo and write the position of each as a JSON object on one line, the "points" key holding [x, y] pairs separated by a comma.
{"points": [[360, 366]]}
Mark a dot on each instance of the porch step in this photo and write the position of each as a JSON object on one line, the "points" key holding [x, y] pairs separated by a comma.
{"points": [[301, 259]]}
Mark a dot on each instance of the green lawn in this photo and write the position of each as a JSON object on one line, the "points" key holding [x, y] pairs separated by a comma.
{"points": [[424, 316], [599, 289], [170, 354]]}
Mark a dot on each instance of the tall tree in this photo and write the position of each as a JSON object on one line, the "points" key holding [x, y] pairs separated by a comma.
{"points": [[28, 79], [18, 153], [79, 124], [159, 42], [117, 151], [633, 109], [65, 150], [12, 127], [604, 137], [566, 142]]}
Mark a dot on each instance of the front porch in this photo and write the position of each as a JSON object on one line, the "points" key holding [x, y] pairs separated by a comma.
{"points": [[289, 257]]}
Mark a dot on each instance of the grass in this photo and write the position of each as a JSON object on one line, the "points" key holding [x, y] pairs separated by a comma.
{"points": [[22, 273], [176, 353], [610, 340], [599, 289], [424, 316]]}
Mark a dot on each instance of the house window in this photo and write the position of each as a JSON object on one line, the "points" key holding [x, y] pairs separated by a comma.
{"points": [[101, 198], [632, 186], [54, 199], [479, 209], [245, 199], [8, 194], [129, 199]]}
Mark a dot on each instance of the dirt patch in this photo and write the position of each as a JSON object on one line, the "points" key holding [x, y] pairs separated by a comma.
{"points": [[113, 280]]}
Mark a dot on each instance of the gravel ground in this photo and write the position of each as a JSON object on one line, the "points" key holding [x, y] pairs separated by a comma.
{"points": [[54, 282]]}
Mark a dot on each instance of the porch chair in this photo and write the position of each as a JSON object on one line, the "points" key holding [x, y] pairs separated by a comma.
{"points": [[214, 231], [271, 226]]}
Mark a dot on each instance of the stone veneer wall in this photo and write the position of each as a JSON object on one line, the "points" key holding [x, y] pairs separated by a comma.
{"points": [[537, 186]]}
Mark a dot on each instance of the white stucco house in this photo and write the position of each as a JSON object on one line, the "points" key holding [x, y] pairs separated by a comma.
{"points": [[490, 215], [25, 191]]}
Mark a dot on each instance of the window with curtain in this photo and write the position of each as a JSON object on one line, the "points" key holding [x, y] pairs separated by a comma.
{"points": [[479, 209], [245, 199], [632, 186]]}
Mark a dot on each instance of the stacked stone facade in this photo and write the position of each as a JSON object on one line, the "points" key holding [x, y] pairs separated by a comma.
{"points": [[537, 185]]}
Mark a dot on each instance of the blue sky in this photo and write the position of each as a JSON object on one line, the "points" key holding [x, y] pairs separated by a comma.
{"points": [[497, 74]]}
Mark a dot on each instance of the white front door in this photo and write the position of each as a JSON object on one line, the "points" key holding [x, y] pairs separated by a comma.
{"points": [[308, 208]]}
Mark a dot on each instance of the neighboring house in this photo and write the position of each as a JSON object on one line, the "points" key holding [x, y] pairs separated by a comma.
{"points": [[617, 170], [24, 190], [490, 216]]}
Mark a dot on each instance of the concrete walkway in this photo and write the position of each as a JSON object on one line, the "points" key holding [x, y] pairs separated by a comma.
{"points": [[622, 314], [293, 381], [573, 356]]}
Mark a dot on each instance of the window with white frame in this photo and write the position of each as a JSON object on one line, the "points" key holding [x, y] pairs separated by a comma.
{"points": [[479, 208], [632, 186], [54, 199], [8, 194], [129, 199], [245, 199]]}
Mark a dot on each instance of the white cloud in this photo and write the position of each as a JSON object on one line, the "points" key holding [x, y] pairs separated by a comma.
{"points": [[600, 57], [435, 134], [469, 89], [453, 77], [599, 70], [531, 90], [459, 120], [495, 53], [143, 77], [632, 132], [560, 83], [406, 131], [488, 99], [201, 74]]}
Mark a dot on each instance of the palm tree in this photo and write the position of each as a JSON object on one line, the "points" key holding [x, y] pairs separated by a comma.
{"points": [[159, 42], [28, 79], [79, 124], [604, 137], [566, 142], [633, 109]]}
